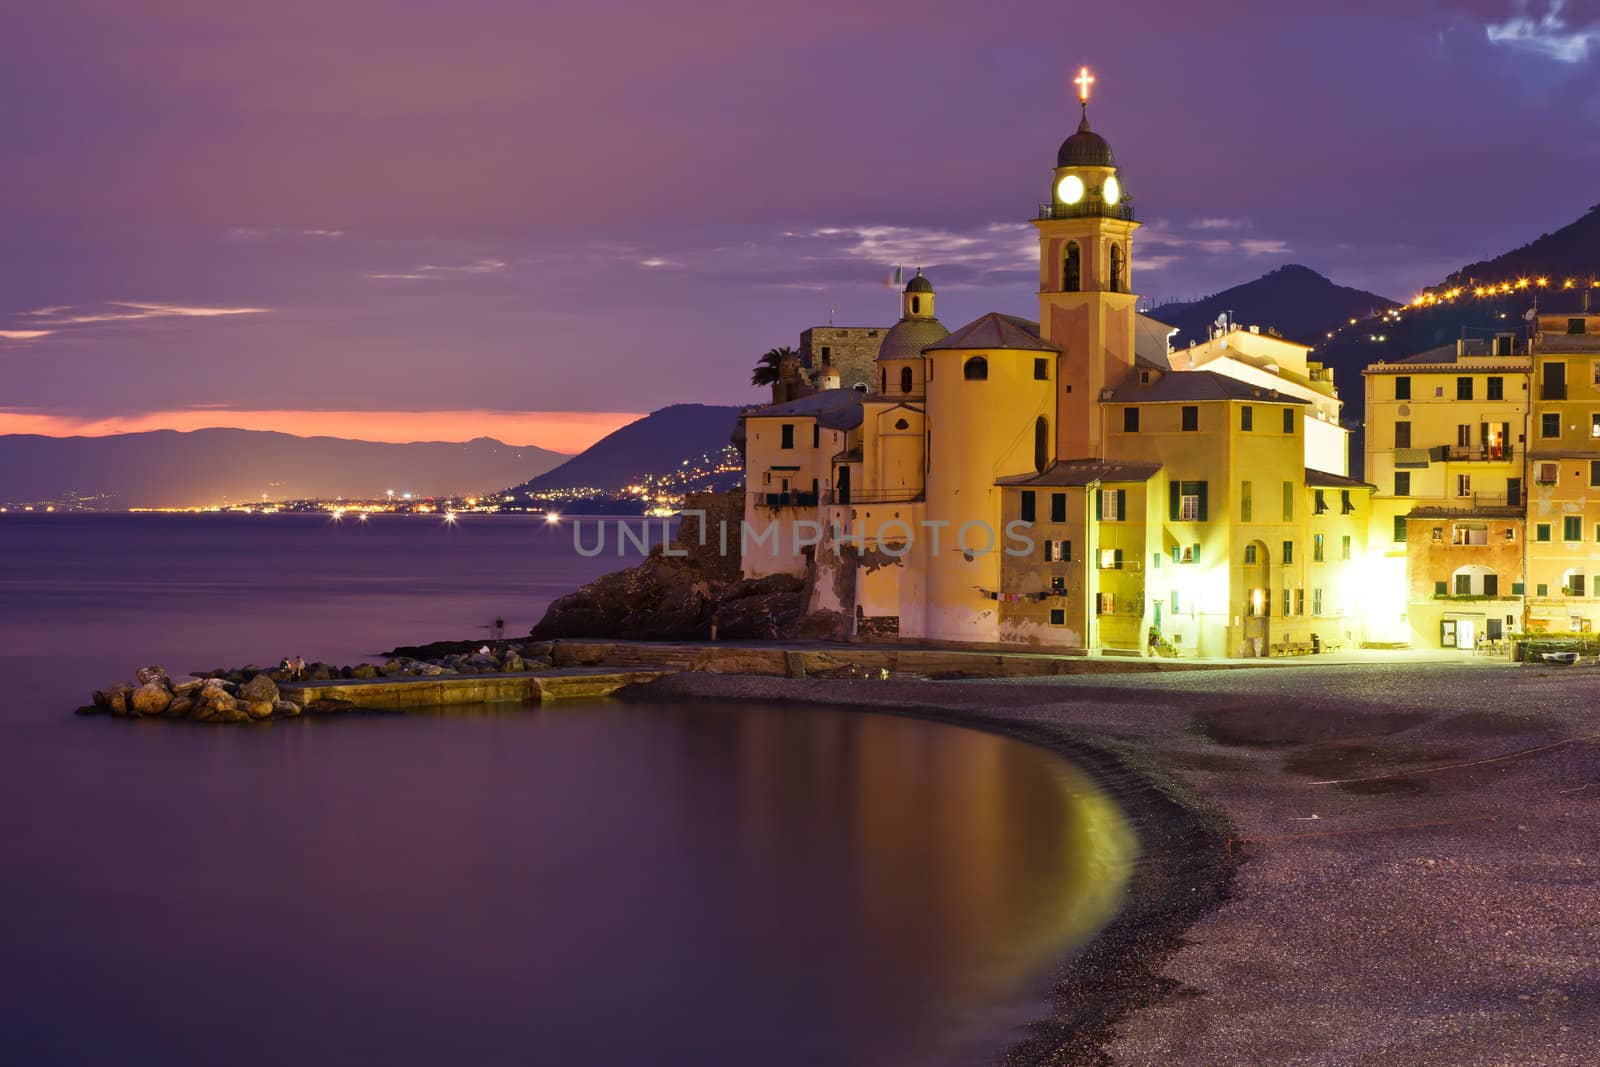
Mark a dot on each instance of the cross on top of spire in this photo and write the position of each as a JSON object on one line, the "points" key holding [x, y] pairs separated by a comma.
{"points": [[1083, 81]]}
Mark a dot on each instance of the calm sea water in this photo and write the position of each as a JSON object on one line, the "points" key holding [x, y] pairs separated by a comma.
{"points": [[586, 884]]}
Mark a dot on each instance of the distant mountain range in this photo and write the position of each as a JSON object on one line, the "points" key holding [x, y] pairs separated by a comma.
{"points": [[167, 468], [1296, 301], [655, 445]]}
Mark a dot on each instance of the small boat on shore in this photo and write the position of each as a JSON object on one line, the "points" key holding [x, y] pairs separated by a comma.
{"points": [[1559, 659]]}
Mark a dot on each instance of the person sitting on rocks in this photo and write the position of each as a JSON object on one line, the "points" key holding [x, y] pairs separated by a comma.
{"points": [[299, 668]]}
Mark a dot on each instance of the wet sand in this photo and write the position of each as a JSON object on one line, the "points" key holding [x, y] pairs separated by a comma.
{"points": [[1366, 862]]}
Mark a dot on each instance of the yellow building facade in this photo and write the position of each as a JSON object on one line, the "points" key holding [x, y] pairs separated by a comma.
{"points": [[1486, 459], [1069, 482]]}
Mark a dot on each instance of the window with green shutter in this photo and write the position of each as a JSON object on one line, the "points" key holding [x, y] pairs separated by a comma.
{"points": [[1399, 528], [1441, 588], [1541, 532], [1191, 418], [1247, 418], [1245, 503], [1288, 552], [1288, 423], [1288, 501], [1402, 388], [1027, 505], [1058, 507], [1517, 588], [1572, 528]]}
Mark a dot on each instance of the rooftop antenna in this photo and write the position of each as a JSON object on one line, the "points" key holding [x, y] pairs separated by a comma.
{"points": [[830, 314]]}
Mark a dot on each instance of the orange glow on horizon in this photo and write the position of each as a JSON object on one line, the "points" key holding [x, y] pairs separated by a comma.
{"points": [[559, 431]]}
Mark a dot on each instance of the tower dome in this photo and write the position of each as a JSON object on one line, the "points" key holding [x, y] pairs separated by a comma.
{"points": [[1085, 148], [919, 284]]}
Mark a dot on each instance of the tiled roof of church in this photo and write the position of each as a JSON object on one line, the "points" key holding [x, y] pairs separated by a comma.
{"points": [[1079, 472], [1181, 385], [995, 330]]}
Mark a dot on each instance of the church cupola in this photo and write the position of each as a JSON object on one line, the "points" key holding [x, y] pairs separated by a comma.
{"points": [[917, 300], [1087, 183]]}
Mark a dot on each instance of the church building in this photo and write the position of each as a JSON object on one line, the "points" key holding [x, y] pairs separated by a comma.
{"points": [[1068, 482]]}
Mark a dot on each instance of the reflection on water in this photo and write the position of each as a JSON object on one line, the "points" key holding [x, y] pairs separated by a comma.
{"points": [[588, 884]]}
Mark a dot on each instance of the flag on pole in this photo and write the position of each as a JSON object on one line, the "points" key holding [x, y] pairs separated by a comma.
{"points": [[894, 278]]}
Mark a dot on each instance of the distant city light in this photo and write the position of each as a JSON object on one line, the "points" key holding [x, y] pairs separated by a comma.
{"points": [[449, 518], [362, 516], [552, 517]]}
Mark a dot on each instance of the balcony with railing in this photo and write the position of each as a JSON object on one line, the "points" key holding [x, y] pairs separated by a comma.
{"points": [[854, 498], [1090, 207], [785, 500], [1480, 454]]}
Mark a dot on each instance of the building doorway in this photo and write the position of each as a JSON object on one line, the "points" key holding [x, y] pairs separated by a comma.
{"points": [[1256, 581]]}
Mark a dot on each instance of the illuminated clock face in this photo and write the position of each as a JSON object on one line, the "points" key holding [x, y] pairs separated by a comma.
{"points": [[1069, 190], [1112, 190]]}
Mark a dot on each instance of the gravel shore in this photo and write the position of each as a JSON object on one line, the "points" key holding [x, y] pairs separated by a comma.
{"points": [[1366, 862]]}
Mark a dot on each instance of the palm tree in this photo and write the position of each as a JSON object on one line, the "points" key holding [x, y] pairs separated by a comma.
{"points": [[766, 368]]}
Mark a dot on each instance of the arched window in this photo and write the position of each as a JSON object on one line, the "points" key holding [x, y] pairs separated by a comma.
{"points": [[975, 369], [1072, 269], [1041, 443], [905, 379], [901, 424], [916, 305], [1116, 268], [1475, 580]]}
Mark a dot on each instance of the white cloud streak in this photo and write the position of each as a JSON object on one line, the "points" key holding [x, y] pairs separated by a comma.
{"points": [[437, 271], [1549, 35]]}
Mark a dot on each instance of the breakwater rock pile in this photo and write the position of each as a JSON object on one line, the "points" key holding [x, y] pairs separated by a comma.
{"points": [[155, 694], [251, 694]]}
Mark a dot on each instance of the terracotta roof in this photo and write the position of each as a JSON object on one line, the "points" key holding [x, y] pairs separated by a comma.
{"points": [[1326, 480], [996, 331], [816, 404], [1184, 385], [1080, 472], [842, 418]]}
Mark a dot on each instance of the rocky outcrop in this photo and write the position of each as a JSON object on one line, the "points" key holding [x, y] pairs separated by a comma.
{"points": [[663, 598], [666, 598]]}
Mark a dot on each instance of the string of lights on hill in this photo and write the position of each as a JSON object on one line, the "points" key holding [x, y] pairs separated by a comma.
{"points": [[1466, 296]]}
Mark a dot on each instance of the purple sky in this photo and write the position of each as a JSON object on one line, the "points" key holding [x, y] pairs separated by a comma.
{"points": [[524, 207]]}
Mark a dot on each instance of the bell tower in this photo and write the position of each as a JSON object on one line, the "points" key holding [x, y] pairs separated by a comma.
{"points": [[1086, 299]]}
